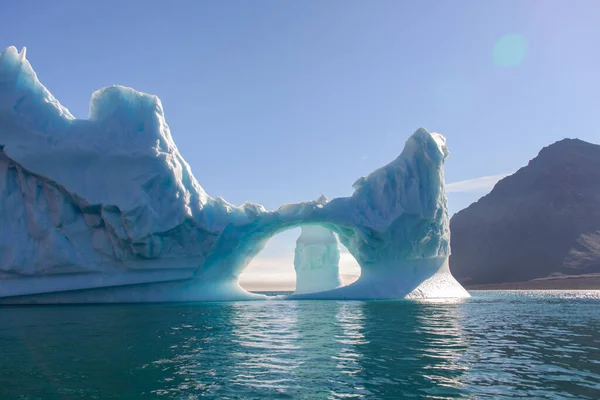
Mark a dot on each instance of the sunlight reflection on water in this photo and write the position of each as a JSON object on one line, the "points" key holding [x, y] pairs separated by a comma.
{"points": [[494, 345]]}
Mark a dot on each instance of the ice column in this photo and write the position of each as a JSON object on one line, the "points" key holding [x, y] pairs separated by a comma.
{"points": [[316, 260]]}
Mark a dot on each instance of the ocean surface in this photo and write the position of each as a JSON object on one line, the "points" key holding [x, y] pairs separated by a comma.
{"points": [[496, 345]]}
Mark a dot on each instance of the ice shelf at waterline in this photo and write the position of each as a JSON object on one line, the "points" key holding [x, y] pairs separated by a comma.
{"points": [[107, 210], [316, 260]]}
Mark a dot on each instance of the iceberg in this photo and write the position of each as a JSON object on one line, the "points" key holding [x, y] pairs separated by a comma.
{"points": [[316, 260], [107, 210]]}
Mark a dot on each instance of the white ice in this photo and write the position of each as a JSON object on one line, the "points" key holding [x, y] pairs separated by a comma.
{"points": [[316, 260], [107, 210]]}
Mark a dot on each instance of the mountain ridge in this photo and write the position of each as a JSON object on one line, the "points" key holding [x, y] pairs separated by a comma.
{"points": [[543, 219]]}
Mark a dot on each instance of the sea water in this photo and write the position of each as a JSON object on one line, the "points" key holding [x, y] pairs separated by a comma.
{"points": [[498, 344]]}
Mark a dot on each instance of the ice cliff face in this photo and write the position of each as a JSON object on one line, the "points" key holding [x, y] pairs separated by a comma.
{"points": [[107, 210], [316, 260]]}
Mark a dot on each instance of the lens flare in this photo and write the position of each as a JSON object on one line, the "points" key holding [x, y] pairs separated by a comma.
{"points": [[510, 50]]}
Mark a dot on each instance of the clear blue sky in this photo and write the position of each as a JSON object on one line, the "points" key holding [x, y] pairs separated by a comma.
{"points": [[281, 101]]}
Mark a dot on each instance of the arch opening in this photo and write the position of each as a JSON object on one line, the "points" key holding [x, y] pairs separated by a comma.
{"points": [[308, 258]]}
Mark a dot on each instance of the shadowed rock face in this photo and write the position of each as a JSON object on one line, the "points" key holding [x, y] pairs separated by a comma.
{"points": [[543, 219], [107, 210]]}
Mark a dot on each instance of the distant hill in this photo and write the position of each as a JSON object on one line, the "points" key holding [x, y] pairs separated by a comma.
{"points": [[542, 220]]}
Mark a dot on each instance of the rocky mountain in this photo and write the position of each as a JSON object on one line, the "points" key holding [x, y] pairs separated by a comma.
{"points": [[543, 220]]}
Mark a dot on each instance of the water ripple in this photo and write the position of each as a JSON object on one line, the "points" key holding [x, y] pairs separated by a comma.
{"points": [[540, 345]]}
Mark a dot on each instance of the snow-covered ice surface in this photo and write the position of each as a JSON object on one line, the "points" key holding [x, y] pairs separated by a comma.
{"points": [[107, 210], [317, 260]]}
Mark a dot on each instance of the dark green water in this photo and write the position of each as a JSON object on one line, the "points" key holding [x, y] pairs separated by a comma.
{"points": [[535, 345]]}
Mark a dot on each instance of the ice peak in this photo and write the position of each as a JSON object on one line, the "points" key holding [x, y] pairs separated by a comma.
{"points": [[136, 118], [121, 101], [412, 183], [429, 144], [11, 52], [322, 199], [24, 96]]}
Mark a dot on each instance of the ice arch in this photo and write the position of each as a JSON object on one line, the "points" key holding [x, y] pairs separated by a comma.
{"points": [[395, 225], [107, 210]]}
